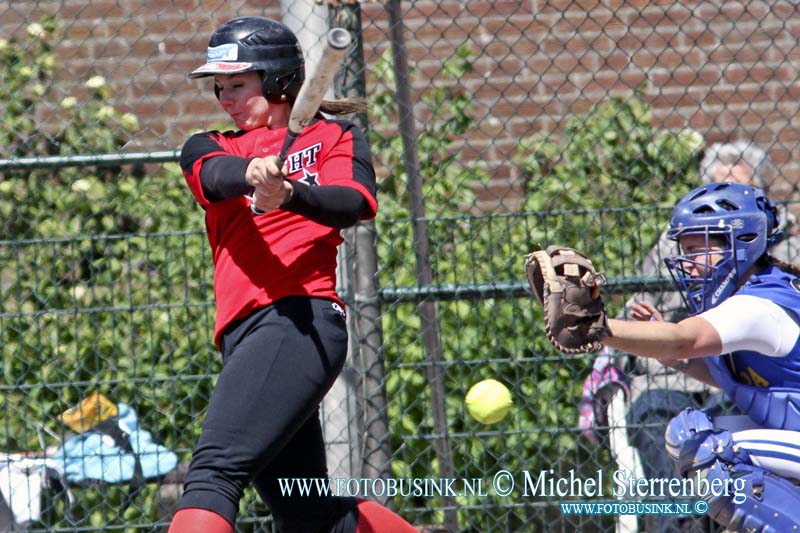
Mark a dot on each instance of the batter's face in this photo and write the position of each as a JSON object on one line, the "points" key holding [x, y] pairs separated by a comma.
{"points": [[241, 96]]}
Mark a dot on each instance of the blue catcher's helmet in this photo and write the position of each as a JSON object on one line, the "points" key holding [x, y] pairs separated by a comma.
{"points": [[745, 220]]}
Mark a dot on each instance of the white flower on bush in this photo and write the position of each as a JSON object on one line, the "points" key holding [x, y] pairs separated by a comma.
{"points": [[96, 82], [47, 61], [3, 45], [104, 113], [81, 185], [78, 292], [25, 72], [69, 102], [35, 30], [129, 121], [38, 90], [691, 139]]}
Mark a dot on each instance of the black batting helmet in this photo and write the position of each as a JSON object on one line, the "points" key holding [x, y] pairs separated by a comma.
{"points": [[245, 44]]}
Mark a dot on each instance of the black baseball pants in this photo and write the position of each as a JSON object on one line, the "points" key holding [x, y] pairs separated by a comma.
{"points": [[263, 417]]}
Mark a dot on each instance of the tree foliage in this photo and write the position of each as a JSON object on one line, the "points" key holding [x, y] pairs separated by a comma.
{"points": [[104, 276], [611, 176]]}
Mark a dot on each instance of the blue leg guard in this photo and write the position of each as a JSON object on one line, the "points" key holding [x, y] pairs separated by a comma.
{"points": [[759, 501], [741, 496]]}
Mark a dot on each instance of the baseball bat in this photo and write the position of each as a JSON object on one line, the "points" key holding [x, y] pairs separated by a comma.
{"points": [[309, 98]]}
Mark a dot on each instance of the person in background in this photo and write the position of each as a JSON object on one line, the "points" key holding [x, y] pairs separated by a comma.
{"points": [[280, 325]]}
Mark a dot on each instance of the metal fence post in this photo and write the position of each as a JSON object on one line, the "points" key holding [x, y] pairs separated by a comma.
{"points": [[427, 309], [362, 266]]}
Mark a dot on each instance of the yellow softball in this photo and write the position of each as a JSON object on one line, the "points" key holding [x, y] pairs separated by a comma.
{"points": [[488, 401]]}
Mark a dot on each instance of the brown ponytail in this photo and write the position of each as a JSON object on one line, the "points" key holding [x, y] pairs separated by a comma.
{"points": [[786, 267], [343, 106]]}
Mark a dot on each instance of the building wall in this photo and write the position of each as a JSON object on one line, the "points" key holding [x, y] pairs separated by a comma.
{"points": [[726, 69]]}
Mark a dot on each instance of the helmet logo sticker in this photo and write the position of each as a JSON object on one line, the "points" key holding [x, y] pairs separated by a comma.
{"points": [[737, 223], [223, 52]]}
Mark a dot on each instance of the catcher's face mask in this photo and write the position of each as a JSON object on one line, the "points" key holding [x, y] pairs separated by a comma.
{"points": [[704, 271]]}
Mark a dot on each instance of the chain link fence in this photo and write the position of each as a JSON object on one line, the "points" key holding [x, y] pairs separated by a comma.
{"points": [[495, 127]]}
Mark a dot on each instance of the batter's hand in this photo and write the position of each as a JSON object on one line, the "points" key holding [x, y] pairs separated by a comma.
{"points": [[271, 189], [264, 172], [266, 200], [645, 311]]}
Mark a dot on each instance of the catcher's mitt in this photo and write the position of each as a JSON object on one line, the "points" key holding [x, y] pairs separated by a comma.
{"points": [[566, 284]]}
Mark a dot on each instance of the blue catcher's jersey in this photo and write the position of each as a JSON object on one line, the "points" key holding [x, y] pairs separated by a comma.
{"points": [[766, 388], [754, 368]]}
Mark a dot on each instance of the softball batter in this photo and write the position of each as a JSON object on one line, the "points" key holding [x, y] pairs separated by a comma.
{"points": [[279, 324]]}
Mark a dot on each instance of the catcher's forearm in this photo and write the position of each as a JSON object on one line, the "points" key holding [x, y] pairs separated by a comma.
{"points": [[693, 337]]}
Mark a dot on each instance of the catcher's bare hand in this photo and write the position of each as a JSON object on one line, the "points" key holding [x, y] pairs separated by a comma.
{"points": [[566, 284], [645, 311]]}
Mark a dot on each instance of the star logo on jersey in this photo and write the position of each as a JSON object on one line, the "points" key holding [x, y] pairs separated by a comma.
{"points": [[309, 178]]}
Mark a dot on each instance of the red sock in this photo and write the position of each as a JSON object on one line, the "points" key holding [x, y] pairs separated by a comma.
{"points": [[375, 518], [199, 521]]}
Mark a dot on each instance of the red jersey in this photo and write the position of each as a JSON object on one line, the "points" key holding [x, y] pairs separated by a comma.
{"points": [[260, 259]]}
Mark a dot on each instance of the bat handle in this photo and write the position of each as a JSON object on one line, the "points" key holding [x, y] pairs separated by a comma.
{"points": [[291, 136]]}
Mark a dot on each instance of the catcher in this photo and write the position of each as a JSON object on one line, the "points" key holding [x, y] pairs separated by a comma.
{"points": [[742, 335]]}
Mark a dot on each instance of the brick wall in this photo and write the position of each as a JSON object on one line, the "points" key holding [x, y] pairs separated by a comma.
{"points": [[727, 69]]}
